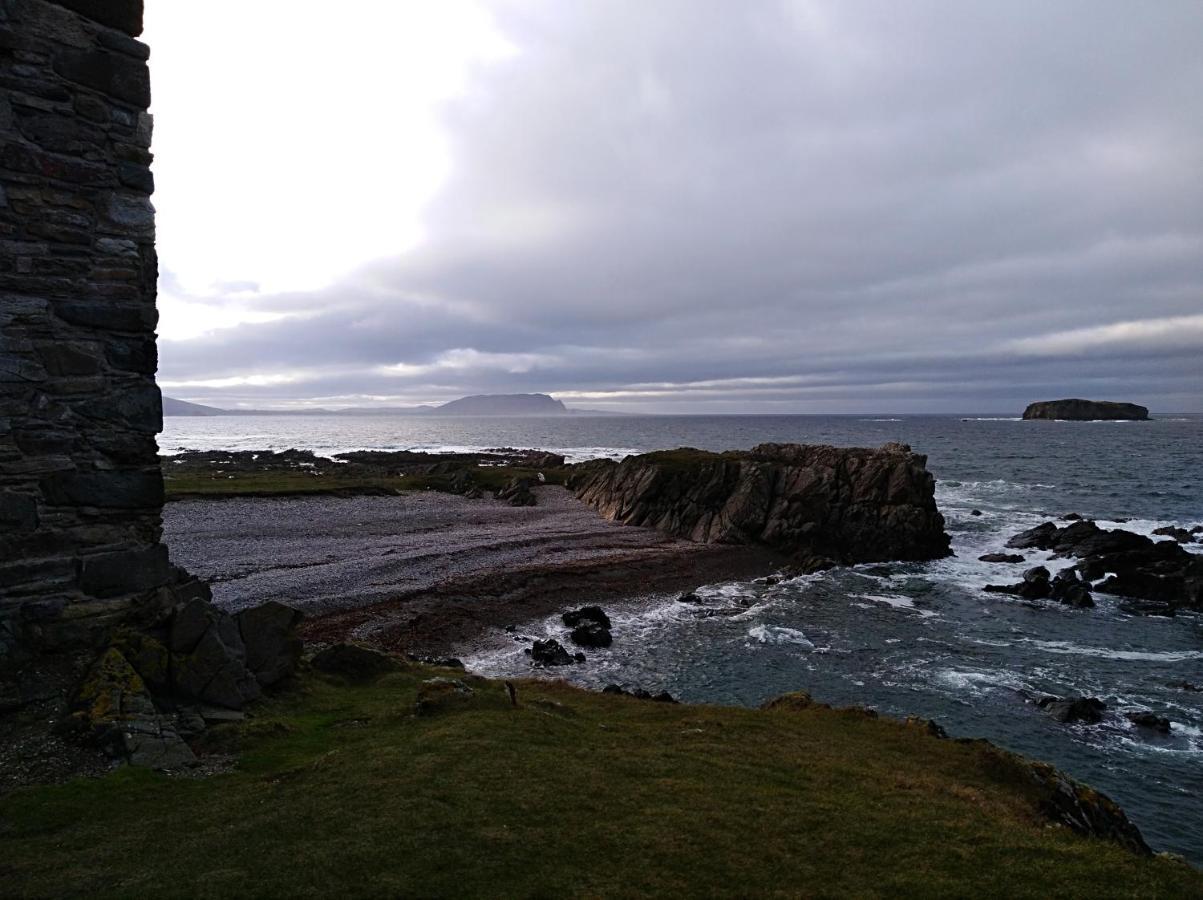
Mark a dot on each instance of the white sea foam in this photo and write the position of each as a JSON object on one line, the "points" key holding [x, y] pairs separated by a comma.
{"points": [[1068, 648], [778, 634]]}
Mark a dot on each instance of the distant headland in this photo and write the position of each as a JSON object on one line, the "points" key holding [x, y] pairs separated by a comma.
{"points": [[476, 405], [1086, 410]]}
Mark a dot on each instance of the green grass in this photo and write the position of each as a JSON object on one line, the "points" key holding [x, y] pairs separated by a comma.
{"points": [[300, 482], [342, 791]]}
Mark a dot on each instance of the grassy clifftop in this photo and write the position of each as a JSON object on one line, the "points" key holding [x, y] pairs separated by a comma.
{"points": [[344, 791]]}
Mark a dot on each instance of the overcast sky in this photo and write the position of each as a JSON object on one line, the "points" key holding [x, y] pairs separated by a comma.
{"points": [[681, 205]]}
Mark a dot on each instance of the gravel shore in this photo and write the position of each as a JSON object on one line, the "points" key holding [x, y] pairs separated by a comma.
{"points": [[427, 571]]}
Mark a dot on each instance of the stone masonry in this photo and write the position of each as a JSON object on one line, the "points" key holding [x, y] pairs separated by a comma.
{"points": [[80, 487]]}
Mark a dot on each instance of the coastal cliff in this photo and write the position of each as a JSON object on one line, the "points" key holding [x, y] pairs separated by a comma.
{"points": [[1086, 410], [845, 504]]}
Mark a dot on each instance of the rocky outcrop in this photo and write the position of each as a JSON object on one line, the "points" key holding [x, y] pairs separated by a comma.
{"points": [[1162, 574], [1085, 410], [846, 504]]}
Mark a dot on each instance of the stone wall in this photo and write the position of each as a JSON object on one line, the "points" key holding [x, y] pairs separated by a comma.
{"points": [[80, 487]]}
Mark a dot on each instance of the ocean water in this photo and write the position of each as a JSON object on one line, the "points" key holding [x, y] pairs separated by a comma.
{"points": [[905, 639]]}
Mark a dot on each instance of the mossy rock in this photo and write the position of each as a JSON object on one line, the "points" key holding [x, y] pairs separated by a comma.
{"points": [[149, 657], [104, 697]]}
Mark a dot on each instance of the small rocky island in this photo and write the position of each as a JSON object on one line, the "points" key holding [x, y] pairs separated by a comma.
{"points": [[821, 505], [1086, 411]]}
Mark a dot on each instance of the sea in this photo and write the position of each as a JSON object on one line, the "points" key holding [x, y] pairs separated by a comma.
{"points": [[904, 638]]}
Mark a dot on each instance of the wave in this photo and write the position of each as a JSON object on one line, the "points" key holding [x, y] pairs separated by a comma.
{"points": [[778, 635], [1069, 648]]}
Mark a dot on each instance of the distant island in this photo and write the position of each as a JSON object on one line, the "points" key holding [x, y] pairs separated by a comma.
{"points": [[476, 405], [1086, 411]]}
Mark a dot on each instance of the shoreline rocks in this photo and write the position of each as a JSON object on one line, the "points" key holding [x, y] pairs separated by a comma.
{"points": [[838, 505], [1075, 410], [1161, 575]]}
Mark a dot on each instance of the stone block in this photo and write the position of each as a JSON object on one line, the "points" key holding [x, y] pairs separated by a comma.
{"points": [[62, 358], [124, 572], [18, 512], [109, 490], [124, 15], [113, 74]]}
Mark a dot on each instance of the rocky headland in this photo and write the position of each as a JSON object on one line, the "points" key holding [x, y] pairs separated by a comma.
{"points": [[820, 505], [1075, 410]]}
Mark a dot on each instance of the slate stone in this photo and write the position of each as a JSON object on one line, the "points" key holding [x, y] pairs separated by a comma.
{"points": [[124, 572], [114, 74], [272, 646], [109, 490], [18, 512]]}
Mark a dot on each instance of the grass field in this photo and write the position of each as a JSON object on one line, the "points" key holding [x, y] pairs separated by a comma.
{"points": [[301, 482], [343, 791]]}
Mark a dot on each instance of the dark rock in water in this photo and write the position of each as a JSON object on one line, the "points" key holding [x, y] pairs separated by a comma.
{"points": [[1197, 529], [550, 653], [594, 614], [639, 694], [975, 512], [354, 663], [1087, 710], [1038, 538], [847, 505], [1147, 608], [689, 597], [1067, 588], [1086, 410], [1186, 686], [518, 492], [1001, 558], [1135, 566], [591, 634], [1072, 517], [1035, 585], [1181, 535], [1149, 720]]}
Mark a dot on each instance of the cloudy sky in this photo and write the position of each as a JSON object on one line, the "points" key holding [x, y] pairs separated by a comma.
{"points": [[681, 205]]}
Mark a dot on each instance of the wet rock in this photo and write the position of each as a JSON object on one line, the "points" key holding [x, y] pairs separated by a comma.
{"points": [[442, 662], [591, 634], [689, 597], [1147, 608], [1133, 566], [975, 512], [549, 653], [1067, 588], [817, 503], [1186, 686], [354, 663], [1001, 557], [1072, 517], [1087, 710], [593, 614], [1149, 720], [1035, 585], [1181, 535]]}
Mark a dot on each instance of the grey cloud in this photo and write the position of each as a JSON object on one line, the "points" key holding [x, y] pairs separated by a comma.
{"points": [[895, 205]]}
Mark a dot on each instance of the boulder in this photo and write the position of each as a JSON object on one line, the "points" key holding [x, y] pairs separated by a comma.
{"points": [[1001, 558], [1035, 585], [1149, 720], [215, 670], [550, 653], [437, 695], [1087, 710], [1067, 588], [1086, 410], [838, 505], [354, 663], [1181, 535], [517, 492], [640, 694], [269, 634], [592, 614], [591, 634]]}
